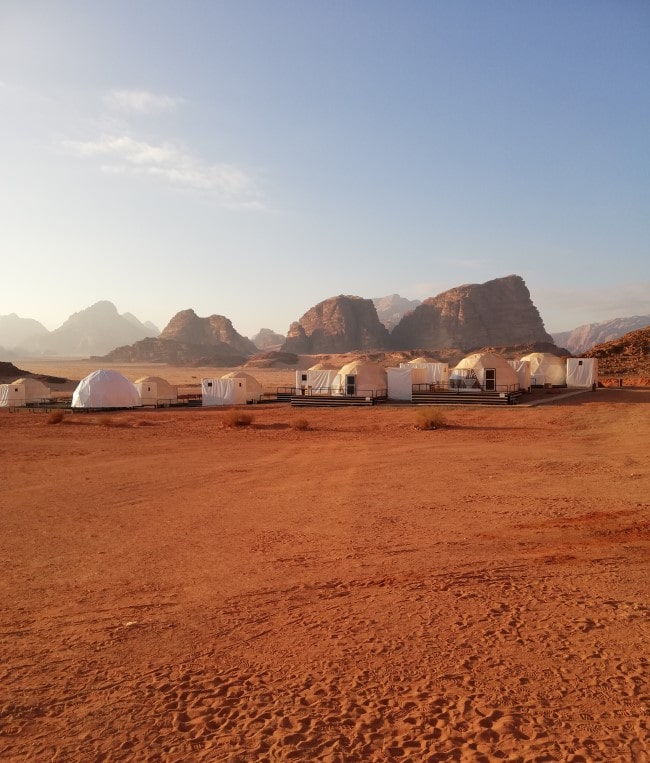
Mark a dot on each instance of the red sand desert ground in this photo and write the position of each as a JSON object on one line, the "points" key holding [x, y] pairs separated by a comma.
{"points": [[174, 590]]}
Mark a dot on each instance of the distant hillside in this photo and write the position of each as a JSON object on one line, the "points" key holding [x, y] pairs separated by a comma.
{"points": [[265, 339], [585, 337], [393, 308], [626, 356], [15, 331], [93, 331]]}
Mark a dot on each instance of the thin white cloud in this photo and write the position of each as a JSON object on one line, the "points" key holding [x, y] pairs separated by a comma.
{"points": [[171, 164], [140, 101]]}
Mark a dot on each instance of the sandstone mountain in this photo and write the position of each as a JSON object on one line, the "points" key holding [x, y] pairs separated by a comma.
{"points": [[628, 355], [15, 331], [393, 308], [95, 330], [189, 340], [339, 324], [584, 337], [497, 313], [215, 330], [266, 339]]}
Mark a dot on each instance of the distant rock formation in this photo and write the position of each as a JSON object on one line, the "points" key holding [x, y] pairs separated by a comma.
{"points": [[584, 337], [393, 308], [215, 330], [95, 330], [336, 325], [496, 313], [628, 355], [273, 359], [158, 350], [15, 331], [267, 338], [189, 340]]}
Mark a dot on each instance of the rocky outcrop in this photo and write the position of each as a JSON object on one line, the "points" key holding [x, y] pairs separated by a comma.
{"points": [[214, 331], [496, 313], [339, 324], [628, 355], [158, 350], [584, 337], [265, 339], [393, 308]]}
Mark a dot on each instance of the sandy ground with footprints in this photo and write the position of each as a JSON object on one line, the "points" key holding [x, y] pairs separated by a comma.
{"points": [[175, 590]]}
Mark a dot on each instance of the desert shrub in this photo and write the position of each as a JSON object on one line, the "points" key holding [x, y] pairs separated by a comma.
{"points": [[54, 417], [302, 425], [235, 418], [109, 421], [429, 418]]}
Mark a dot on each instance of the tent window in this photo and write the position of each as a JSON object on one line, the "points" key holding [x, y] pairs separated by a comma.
{"points": [[579, 362], [490, 379], [209, 384], [303, 377]]}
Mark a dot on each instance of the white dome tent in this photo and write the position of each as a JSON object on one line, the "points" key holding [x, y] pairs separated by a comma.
{"points": [[156, 391], [484, 371], [317, 380], [361, 379], [252, 389], [546, 368], [105, 389]]}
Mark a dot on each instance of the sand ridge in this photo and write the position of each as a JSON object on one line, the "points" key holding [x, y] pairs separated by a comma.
{"points": [[174, 590]]}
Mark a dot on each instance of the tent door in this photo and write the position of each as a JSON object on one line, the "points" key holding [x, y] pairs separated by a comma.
{"points": [[490, 379], [350, 385]]}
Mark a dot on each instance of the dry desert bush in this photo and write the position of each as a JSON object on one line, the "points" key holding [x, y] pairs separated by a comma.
{"points": [[234, 418], [302, 425], [429, 418], [54, 417]]}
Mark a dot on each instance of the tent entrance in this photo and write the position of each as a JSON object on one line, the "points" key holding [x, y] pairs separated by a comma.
{"points": [[350, 385], [490, 379]]}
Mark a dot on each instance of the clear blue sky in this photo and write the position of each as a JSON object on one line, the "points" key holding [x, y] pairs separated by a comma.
{"points": [[253, 158]]}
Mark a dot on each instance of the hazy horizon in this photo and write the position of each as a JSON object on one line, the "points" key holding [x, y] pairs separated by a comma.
{"points": [[251, 159]]}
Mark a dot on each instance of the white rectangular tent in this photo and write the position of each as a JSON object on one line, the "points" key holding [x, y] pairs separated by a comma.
{"points": [[12, 396], [24, 391], [223, 391], [581, 372], [315, 382], [400, 383]]}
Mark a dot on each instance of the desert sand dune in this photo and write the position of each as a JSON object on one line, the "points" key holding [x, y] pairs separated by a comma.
{"points": [[174, 590]]}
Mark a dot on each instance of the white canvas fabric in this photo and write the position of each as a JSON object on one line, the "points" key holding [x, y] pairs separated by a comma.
{"points": [[546, 368], [522, 368], [400, 383], [22, 392], [368, 380], [315, 381], [427, 372], [249, 390], [154, 390], [581, 372], [218, 391], [477, 364], [105, 389]]}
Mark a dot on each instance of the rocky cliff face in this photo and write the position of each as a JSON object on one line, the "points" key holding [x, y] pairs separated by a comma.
{"points": [[15, 331], [339, 324], [584, 337], [393, 308], [186, 327], [496, 313]]}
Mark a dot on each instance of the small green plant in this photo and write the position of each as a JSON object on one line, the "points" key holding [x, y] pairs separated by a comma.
{"points": [[302, 425], [54, 417], [429, 418], [234, 418]]}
